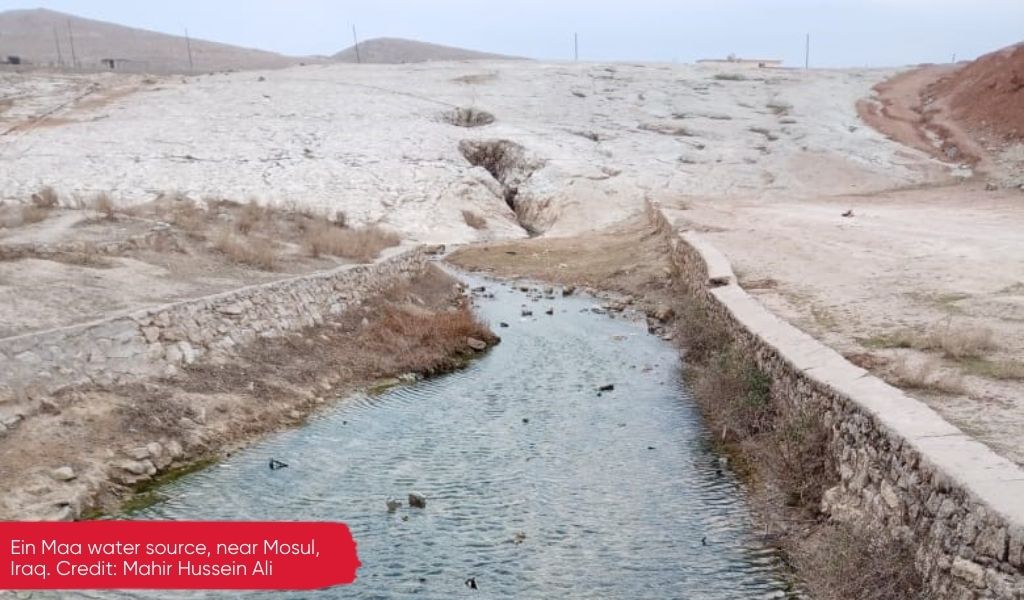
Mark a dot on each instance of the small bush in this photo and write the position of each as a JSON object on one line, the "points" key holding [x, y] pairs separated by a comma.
{"points": [[31, 213], [423, 341], [862, 561], [189, 217], [46, 198], [253, 251], [996, 369], [250, 217], [959, 341], [730, 77], [363, 243], [474, 220], [924, 375], [103, 204]]}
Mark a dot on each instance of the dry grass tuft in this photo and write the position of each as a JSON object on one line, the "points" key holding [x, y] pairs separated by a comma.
{"points": [[103, 204], [924, 375], [474, 220], [956, 341], [862, 562], [363, 243], [31, 213], [46, 198], [250, 217], [251, 251], [422, 341]]}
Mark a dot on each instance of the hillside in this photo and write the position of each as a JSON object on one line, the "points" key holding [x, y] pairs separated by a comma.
{"points": [[29, 34], [987, 94], [397, 50]]}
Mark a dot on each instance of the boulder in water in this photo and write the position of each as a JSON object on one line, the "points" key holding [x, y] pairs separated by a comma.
{"points": [[417, 500]]}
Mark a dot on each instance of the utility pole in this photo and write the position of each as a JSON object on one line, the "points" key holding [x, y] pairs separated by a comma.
{"points": [[954, 58], [575, 46], [71, 39], [188, 47], [56, 42], [807, 52], [355, 44]]}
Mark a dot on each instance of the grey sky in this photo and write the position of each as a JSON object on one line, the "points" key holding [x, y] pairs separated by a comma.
{"points": [[843, 32]]}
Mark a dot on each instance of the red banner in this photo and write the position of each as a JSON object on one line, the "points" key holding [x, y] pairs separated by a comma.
{"points": [[222, 555]]}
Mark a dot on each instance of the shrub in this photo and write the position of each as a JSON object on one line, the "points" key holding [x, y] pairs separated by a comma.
{"points": [[103, 204], [31, 213], [363, 243], [46, 198], [254, 251], [862, 561], [250, 217], [924, 374]]}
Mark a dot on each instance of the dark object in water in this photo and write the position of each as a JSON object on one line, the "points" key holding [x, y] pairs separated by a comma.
{"points": [[848, 213], [704, 541], [276, 464], [503, 324], [606, 388], [525, 420], [471, 583]]}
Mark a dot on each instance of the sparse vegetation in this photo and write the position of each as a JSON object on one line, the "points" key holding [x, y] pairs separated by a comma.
{"points": [[46, 198], [104, 205], [955, 341], [730, 76], [363, 243], [31, 213], [1011, 370], [251, 251], [474, 220], [926, 374], [468, 117]]}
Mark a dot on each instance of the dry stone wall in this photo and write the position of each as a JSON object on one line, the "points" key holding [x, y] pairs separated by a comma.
{"points": [[157, 340], [900, 463]]}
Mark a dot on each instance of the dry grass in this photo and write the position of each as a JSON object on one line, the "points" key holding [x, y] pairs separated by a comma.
{"points": [[474, 220], [861, 562], [1009, 370], [104, 205], [956, 341], [250, 217], [31, 213], [46, 198], [363, 243], [924, 374], [250, 251], [419, 341]]}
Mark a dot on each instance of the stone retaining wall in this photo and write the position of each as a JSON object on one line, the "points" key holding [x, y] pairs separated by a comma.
{"points": [[900, 463], [157, 340]]}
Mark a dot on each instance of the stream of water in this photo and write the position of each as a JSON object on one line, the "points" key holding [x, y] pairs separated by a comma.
{"points": [[537, 485]]}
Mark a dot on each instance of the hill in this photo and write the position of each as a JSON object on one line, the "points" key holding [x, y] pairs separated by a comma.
{"points": [[30, 35], [397, 50], [987, 94]]}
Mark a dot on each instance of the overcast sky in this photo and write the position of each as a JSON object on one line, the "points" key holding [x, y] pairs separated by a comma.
{"points": [[843, 32]]}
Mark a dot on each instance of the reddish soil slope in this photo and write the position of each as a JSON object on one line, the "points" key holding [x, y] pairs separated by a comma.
{"points": [[987, 95]]}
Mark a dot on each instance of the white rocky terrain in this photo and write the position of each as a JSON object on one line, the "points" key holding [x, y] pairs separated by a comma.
{"points": [[774, 165], [590, 141]]}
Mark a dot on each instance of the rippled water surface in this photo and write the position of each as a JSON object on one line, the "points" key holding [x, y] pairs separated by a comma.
{"points": [[614, 492]]}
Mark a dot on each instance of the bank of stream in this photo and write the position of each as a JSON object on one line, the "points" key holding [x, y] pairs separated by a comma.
{"points": [[538, 485]]}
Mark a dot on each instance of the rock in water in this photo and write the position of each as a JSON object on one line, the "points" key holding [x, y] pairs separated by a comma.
{"points": [[393, 504], [417, 500], [478, 345]]}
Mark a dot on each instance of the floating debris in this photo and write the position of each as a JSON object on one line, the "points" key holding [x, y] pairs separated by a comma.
{"points": [[417, 500], [276, 464]]}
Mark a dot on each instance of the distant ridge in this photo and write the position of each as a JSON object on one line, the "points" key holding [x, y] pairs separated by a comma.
{"points": [[398, 50], [29, 34]]}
